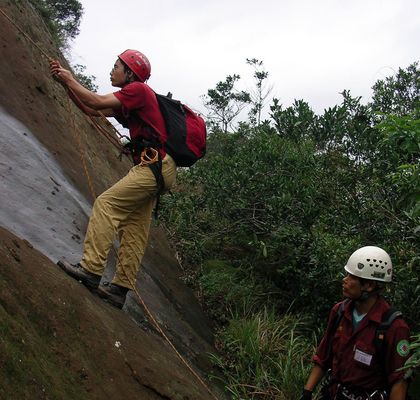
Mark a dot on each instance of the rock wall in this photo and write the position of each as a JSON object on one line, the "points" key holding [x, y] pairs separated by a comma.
{"points": [[57, 340]]}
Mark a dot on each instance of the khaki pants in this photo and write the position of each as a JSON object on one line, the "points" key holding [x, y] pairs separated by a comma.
{"points": [[125, 210]]}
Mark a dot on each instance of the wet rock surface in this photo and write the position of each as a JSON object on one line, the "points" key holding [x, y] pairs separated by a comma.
{"points": [[37, 200], [58, 340]]}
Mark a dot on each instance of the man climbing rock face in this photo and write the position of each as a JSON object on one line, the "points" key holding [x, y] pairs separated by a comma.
{"points": [[124, 210]]}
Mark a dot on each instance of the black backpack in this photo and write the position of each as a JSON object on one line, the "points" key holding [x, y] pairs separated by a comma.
{"points": [[186, 130], [186, 141]]}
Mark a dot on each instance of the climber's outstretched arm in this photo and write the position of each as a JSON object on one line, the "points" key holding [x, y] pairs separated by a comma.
{"points": [[86, 100]]}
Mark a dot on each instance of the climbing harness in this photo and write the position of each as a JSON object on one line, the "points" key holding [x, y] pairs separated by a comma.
{"points": [[149, 156], [353, 393]]}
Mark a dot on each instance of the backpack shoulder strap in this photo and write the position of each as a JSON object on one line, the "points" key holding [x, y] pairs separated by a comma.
{"points": [[337, 318], [339, 315], [388, 318]]}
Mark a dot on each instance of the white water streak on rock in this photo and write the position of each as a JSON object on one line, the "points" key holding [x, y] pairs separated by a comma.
{"points": [[37, 201]]}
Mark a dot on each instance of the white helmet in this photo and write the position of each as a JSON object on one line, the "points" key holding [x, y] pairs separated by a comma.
{"points": [[370, 262]]}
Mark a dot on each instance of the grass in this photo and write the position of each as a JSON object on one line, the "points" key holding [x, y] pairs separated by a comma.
{"points": [[264, 357]]}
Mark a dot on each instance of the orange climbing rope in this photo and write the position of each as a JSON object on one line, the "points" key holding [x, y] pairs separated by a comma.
{"points": [[114, 141], [146, 159]]}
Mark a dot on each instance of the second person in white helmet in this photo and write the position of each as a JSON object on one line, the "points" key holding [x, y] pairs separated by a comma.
{"points": [[362, 365]]}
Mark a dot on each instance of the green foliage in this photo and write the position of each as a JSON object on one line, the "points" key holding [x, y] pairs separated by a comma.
{"points": [[225, 102], [344, 129], [258, 95], [399, 94], [265, 357], [287, 210], [227, 290], [296, 122], [272, 213], [88, 81], [412, 367], [62, 18], [401, 148], [414, 361]]}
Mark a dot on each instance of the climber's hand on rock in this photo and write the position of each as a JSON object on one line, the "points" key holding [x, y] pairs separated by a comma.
{"points": [[59, 73]]}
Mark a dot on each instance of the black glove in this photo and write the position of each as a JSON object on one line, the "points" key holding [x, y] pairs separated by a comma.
{"points": [[306, 395]]}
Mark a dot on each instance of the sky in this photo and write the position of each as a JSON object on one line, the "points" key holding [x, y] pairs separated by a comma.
{"points": [[312, 50]]}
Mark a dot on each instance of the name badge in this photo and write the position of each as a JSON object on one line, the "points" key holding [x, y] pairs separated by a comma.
{"points": [[362, 357]]}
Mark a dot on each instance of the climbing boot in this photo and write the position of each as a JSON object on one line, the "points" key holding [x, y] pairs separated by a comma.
{"points": [[76, 271], [113, 294]]}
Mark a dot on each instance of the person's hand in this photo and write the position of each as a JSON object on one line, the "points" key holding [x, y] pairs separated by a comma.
{"points": [[60, 74], [306, 395]]}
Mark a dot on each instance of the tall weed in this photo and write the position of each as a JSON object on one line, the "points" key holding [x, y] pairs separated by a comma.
{"points": [[265, 356]]}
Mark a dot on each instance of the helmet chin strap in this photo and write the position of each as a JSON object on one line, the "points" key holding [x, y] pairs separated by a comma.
{"points": [[365, 294]]}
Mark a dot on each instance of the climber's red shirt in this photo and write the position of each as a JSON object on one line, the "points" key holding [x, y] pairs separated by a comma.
{"points": [[140, 113]]}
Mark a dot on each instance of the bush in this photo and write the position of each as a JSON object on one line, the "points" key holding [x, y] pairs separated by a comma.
{"points": [[269, 217], [88, 81], [289, 212], [62, 17]]}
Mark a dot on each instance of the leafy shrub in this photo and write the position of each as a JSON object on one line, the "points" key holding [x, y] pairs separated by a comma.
{"points": [[289, 210], [88, 81], [62, 17], [228, 291], [401, 148], [270, 216]]}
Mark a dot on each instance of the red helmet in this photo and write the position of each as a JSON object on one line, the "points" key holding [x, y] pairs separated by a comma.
{"points": [[138, 63]]}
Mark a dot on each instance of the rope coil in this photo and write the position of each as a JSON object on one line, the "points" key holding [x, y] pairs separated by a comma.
{"points": [[149, 156]]}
